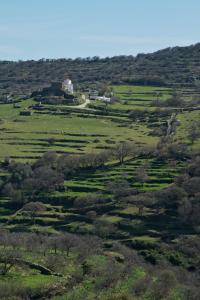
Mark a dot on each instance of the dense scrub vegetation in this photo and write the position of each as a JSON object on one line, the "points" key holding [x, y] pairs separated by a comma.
{"points": [[66, 266], [171, 66]]}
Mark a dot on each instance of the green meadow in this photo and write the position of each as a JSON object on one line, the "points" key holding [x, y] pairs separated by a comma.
{"points": [[71, 130]]}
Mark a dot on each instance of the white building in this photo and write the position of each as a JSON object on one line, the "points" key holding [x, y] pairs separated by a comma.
{"points": [[103, 98], [68, 86]]}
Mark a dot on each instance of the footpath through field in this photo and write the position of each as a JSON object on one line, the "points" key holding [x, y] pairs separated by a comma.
{"points": [[81, 106]]}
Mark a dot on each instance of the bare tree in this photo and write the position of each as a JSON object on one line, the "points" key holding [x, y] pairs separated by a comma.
{"points": [[141, 175], [123, 150], [140, 201], [67, 242], [194, 131], [8, 260], [119, 188], [32, 208]]}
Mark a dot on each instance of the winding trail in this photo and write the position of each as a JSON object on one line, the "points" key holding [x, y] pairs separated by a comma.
{"points": [[81, 106]]}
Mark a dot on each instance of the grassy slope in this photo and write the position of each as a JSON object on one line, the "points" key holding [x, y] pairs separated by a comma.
{"points": [[27, 137], [73, 131]]}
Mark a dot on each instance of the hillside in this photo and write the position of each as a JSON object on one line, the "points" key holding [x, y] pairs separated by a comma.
{"points": [[101, 199], [171, 66], [101, 202]]}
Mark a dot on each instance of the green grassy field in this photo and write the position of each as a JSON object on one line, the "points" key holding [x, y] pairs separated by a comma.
{"points": [[27, 138], [186, 118], [68, 130]]}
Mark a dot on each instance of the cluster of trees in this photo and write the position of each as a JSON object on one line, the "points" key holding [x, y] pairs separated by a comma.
{"points": [[172, 102], [168, 149], [189, 206], [27, 181], [119, 265], [13, 244], [138, 114], [177, 65], [47, 174], [175, 101], [53, 94], [182, 197], [194, 131]]}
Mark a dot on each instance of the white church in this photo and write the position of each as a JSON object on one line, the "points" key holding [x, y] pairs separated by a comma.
{"points": [[68, 86]]}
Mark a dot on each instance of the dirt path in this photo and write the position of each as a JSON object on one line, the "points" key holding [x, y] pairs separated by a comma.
{"points": [[81, 106]]}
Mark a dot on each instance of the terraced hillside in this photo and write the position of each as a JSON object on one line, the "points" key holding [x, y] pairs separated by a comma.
{"points": [[73, 130], [77, 131], [118, 189]]}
